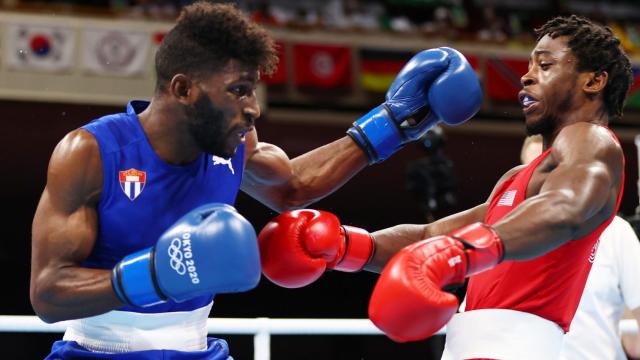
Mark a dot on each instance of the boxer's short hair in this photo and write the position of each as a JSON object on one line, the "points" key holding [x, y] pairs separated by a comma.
{"points": [[206, 37]]}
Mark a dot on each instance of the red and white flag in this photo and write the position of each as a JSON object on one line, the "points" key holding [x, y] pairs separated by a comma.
{"points": [[322, 66], [39, 47], [115, 53], [507, 198], [132, 182], [279, 76]]}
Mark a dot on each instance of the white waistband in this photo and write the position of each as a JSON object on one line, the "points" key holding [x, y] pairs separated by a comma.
{"points": [[124, 331], [502, 334]]}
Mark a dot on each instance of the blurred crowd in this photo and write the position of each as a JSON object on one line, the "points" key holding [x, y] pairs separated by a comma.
{"points": [[498, 21]]}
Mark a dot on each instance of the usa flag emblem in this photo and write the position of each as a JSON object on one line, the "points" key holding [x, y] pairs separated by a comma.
{"points": [[507, 198], [132, 182]]}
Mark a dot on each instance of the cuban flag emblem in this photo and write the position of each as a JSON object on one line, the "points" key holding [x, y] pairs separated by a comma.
{"points": [[132, 182], [507, 198]]}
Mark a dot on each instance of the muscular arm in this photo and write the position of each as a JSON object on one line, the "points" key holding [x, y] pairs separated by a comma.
{"points": [[64, 231], [282, 183], [391, 240], [576, 197]]}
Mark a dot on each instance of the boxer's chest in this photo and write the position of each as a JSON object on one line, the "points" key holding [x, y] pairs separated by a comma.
{"points": [[540, 175]]}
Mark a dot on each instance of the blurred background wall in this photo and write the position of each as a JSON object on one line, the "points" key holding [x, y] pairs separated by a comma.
{"points": [[63, 63]]}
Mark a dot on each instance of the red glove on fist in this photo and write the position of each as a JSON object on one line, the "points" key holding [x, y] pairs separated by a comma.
{"points": [[298, 246], [408, 303]]}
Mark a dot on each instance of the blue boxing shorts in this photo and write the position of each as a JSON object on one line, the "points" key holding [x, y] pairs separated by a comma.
{"points": [[217, 349]]}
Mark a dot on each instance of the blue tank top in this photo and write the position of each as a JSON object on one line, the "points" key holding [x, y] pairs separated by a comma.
{"points": [[142, 195]]}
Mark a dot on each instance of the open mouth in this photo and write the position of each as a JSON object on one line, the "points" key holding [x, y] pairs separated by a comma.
{"points": [[527, 101]]}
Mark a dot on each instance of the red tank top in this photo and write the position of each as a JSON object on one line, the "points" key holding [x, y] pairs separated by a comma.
{"points": [[549, 286]]}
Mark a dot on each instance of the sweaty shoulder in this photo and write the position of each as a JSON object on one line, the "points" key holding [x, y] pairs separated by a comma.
{"points": [[75, 169], [587, 142], [265, 163]]}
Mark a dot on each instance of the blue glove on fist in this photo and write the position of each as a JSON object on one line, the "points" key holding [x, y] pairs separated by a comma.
{"points": [[436, 85], [210, 250]]}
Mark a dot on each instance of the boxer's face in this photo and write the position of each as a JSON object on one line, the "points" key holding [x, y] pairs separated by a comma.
{"points": [[550, 86], [226, 109]]}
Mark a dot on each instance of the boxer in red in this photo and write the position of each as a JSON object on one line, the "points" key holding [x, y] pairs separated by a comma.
{"points": [[528, 249]]}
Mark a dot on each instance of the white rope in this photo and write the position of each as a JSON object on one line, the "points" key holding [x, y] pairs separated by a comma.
{"points": [[293, 326], [238, 326], [261, 328], [248, 326], [19, 323]]}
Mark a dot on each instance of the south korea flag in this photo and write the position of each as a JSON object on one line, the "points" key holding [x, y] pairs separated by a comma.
{"points": [[39, 47]]}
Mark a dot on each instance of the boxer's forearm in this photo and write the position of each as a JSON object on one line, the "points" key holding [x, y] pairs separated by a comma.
{"points": [[321, 171], [389, 241], [73, 292], [284, 184]]}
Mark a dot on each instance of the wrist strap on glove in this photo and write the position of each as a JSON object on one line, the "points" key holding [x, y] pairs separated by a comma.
{"points": [[133, 280], [359, 249], [377, 134], [483, 245]]}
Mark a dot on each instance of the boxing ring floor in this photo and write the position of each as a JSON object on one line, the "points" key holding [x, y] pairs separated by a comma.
{"points": [[261, 328]]}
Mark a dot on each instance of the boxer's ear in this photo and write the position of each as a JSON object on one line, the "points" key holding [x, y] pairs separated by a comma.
{"points": [[594, 82], [183, 89]]}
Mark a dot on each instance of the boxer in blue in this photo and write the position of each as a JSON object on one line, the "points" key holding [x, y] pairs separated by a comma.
{"points": [[135, 231]]}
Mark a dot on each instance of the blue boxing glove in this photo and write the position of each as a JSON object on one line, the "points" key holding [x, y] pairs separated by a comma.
{"points": [[436, 85], [210, 250]]}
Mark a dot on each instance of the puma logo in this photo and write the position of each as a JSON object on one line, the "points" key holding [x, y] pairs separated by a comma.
{"points": [[217, 160]]}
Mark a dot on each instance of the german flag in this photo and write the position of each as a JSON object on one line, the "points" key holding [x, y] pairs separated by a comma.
{"points": [[379, 67]]}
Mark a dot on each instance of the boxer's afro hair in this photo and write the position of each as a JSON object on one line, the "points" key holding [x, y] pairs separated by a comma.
{"points": [[597, 49], [204, 39]]}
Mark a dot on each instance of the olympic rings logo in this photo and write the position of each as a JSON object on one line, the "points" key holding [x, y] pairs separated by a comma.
{"points": [[175, 256]]}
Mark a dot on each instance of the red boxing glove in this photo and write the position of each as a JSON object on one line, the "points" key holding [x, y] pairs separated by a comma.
{"points": [[408, 302], [298, 246]]}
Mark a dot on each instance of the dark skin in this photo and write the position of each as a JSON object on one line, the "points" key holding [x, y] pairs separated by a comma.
{"points": [[66, 220], [571, 192]]}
